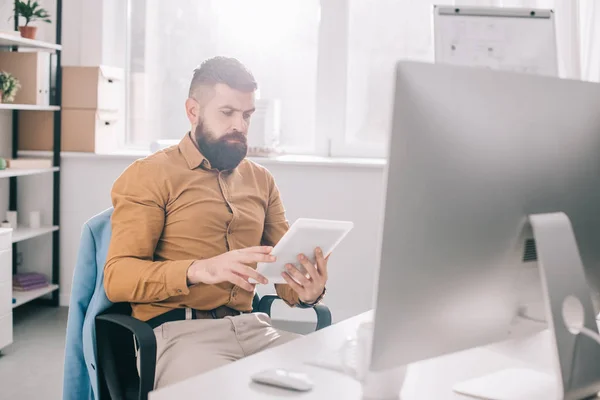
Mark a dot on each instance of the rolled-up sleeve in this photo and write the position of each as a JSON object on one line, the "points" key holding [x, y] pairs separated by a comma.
{"points": [[276, 225], [131, 274]]}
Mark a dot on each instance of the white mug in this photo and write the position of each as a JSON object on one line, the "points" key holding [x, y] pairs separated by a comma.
{"points": [[34, 219], [11, 217], [356, 359]]}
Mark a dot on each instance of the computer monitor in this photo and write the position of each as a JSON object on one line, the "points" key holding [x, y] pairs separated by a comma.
{"points": [[475, 157]]}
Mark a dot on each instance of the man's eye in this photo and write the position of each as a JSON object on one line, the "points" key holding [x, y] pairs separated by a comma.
{"points": [[228, 113], [247, 116]]}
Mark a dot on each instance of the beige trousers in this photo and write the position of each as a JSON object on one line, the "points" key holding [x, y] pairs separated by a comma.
{"points": [[190, 347]]}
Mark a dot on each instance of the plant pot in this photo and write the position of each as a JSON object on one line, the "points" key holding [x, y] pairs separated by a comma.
{"points": [[28, 32]]}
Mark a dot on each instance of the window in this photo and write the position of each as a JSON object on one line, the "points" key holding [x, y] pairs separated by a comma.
{"points": [[277, 40], [377, 38], [329, 62]]}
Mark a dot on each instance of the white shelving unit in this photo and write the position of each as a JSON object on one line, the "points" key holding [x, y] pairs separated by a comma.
{"points": [[9, 173], [10, 242], [27, 107], [11, 40], [24, 233], [21, 298]]}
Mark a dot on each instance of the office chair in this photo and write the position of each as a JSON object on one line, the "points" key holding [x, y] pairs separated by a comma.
{"points": [[116, 364]]}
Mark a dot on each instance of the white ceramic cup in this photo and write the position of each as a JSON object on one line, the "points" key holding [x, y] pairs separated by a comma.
{"points": [[11, 217], [356, 359], [34, 220]]}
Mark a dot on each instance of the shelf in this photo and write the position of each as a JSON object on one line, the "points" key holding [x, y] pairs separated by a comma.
{"points": [[9, 40], [27, 296], [8, 173], [23, 233], [27, 107]]}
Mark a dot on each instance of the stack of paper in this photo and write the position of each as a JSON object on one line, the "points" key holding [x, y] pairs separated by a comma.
{"points": [[29, 163]]}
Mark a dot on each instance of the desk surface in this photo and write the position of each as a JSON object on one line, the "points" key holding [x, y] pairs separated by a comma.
{"points": [[431, 379]]}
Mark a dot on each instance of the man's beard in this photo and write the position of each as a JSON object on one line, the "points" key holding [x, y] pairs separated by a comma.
{"points": [[221, 154]]}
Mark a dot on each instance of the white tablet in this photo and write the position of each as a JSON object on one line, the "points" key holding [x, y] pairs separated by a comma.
{"points": [[303, 237]]}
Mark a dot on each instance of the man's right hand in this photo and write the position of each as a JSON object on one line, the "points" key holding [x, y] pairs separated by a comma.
{"points": [[231, 267]]}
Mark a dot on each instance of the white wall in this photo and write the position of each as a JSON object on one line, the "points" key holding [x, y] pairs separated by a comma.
{"points": [[333, 192]]}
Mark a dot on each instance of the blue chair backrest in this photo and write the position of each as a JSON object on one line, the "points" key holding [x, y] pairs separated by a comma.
{"points": [[88, 299]]}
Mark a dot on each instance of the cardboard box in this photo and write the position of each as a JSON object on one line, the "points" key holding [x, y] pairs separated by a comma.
{"points": [[36, 130], [93, 88], [32, 69], [81, 130], [89, 131]]}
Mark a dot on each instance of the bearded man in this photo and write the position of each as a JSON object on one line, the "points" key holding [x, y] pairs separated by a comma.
{"points": [[190, 222]]}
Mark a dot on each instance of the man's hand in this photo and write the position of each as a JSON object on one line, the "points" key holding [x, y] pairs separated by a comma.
{"points": [[231, 267], [310, 287]]}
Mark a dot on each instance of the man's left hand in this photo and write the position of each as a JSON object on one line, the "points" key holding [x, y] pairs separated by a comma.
{"points": [[309, 286]]}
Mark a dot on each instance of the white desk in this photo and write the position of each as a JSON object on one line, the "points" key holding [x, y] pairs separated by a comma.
{"points": [[432, 379]]}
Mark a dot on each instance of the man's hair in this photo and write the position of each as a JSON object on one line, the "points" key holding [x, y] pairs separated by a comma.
{"points": [[223, 70]]}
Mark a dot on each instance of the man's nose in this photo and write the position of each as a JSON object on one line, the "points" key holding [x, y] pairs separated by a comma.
{"points": [[238, 124]]}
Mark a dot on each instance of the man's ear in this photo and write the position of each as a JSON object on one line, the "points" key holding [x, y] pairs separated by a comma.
{"points": [[192, 110]]}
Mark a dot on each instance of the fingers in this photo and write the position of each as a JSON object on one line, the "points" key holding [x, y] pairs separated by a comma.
{"points": [[321, 262], [257, 249], [297, 288], [309, 267], [247, 272], [241, 282], [255, 258], [297, 275]]}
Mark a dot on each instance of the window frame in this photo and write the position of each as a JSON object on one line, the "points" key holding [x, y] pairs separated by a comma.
{"points": [[332, 87]]}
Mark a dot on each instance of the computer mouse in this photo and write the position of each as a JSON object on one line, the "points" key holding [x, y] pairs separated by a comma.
{"points": [[284, 379]]}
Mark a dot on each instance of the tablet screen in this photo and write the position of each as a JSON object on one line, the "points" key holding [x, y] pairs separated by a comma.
{"points": [[303, 237]]}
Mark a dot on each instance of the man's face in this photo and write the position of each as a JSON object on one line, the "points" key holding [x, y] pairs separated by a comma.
{"points": [[222, 126]]}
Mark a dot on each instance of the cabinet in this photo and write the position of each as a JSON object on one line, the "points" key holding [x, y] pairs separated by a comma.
{"points": [[6, 336]]}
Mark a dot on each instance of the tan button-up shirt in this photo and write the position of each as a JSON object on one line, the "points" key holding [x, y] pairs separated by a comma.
{"points": [[171, 209]]}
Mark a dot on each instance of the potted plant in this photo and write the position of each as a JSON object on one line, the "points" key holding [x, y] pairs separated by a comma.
{"points": [[9, 86], [30, 11]]}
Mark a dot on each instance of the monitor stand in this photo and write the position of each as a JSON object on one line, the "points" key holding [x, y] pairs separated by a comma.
{"points": [[576, 357]]}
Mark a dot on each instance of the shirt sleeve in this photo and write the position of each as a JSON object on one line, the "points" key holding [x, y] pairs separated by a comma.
{"points": [[131, 274], [276, 225]]}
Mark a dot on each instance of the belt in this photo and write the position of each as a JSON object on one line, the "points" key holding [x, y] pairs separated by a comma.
{"points": [[179, 314]]}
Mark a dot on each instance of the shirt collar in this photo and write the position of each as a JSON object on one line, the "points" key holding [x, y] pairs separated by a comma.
{"points": [[192, 154]]}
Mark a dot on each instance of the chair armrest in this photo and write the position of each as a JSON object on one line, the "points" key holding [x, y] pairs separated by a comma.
{"points": [[111, 329], [323, 312], [323, 316]]}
